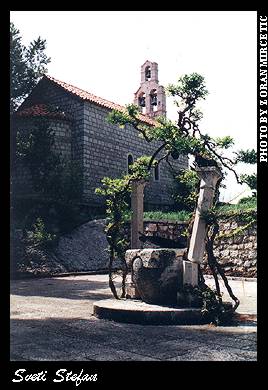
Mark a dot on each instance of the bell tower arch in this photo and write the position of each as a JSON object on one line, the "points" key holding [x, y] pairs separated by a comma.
{"points": [[150, 97]]}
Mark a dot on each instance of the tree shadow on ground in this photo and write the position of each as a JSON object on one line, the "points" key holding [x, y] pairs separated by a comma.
{"points": [[61, 288], [93, 339]]}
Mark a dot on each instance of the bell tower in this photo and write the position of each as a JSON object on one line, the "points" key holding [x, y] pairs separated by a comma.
{"points": [[150, 97]]}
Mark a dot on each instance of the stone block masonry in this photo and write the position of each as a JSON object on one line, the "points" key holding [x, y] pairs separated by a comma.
{"points": [[166, 229], [237, 254], [105, 152], [68, 133], [86, 248], [99, 147]]}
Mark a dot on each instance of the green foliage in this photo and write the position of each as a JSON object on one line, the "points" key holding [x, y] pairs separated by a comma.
{"points": [[27, 66], [244, 213], [166, 131], [34, 149], [212, 307], [183, 216], [240, 212], [189, 145], [112, 187], [250, 180], [116, 192], [249, 206], [57, 181], [118, 117], [163, 130], [189, 88], [32, 249], [185, 137], [224, 142], [140, 168], [186, 189], [39, 236], [249, 201], [52, 176], [248, 156]]}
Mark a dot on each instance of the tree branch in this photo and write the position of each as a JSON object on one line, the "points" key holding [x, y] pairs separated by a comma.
{"points": [[155, 154], [135, 125], [218, 267], [211, 258]]}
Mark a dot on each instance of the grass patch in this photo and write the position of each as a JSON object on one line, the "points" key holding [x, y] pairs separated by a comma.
{"points": [[182, 216], [247, 206]]}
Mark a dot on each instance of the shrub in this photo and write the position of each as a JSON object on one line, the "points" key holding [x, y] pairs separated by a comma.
{"points": [[251, 201], [39, 237], [185, 191]]}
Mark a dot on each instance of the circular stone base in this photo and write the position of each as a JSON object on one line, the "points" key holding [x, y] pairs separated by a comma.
{"points": [[138, 312]]}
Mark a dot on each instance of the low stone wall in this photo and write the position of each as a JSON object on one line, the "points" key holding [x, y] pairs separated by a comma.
{"points": [[237, 254], [86, 248], [165, 229]]}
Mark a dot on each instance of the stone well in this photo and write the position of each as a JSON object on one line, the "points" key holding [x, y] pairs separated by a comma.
{"points": [[156, 274]]}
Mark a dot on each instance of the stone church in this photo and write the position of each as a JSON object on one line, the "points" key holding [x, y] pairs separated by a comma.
{"points": [[83, 134]]}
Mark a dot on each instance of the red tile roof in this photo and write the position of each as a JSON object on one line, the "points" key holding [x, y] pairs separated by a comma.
{"points": [[41, 110], [97, 100]]}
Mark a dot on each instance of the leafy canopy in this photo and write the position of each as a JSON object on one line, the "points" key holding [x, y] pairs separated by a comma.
{"points": [[172, 140], [27, 66], [185, 137], [53, 176]]}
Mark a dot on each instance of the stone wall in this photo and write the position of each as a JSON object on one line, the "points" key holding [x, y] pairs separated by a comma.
{"points": [[106, 148], [69, 133], [86, 248], [237, 254], [100, 147], [63, 144], [165, 229], [48, 93]]}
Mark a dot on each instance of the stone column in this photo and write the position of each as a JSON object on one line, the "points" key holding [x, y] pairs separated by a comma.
{"points": [[137, 213], [209, 178]]}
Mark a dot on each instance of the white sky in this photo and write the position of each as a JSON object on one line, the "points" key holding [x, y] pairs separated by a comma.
{"points": [[102, 51]]}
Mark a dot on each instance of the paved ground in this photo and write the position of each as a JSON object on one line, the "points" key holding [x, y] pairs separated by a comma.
{"points": [[51, 319]]}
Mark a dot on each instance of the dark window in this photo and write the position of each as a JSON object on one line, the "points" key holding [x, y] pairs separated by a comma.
{"points": [[142, 103], [148, 73], [142, 100], [156, 173], [153, 100], [129, 162]]}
